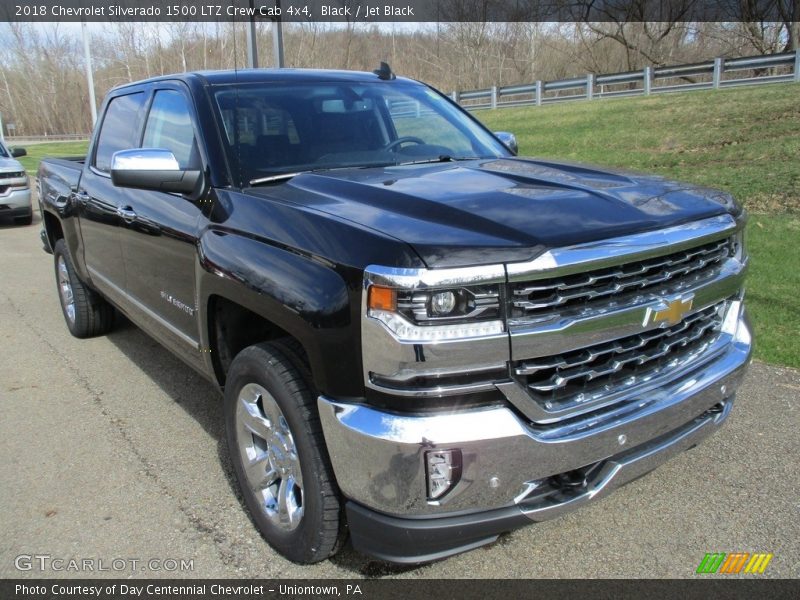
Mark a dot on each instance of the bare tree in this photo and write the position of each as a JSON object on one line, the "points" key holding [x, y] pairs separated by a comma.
{"points": [[44, 90]]}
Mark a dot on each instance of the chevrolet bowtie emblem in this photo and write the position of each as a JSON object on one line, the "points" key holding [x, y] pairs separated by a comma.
{"points": [[669, 311]]}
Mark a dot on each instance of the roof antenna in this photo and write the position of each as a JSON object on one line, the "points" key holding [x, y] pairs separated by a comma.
{"points": [[384, 72]]}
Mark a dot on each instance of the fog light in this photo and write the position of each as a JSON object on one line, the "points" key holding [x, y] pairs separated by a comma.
{"points": [[443, 303], [444, 471]]}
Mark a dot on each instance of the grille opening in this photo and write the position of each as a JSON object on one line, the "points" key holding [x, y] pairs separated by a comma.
{"points": [[573, 292], [575, 377], [562, 487]]}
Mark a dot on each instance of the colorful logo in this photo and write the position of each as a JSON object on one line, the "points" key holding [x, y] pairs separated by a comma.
{"points": [[734, 563], [669, 312]]}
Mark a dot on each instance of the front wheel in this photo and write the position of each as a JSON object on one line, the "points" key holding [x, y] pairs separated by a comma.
{"points": [[279, 455]]}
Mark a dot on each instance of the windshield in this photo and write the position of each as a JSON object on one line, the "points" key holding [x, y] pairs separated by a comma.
{"points": [[282, 128]]}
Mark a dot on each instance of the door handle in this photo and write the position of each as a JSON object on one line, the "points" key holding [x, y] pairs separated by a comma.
{"points": [[127, 213]]}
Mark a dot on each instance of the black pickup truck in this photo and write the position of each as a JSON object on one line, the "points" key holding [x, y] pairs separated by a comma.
{"points": [[421, 339]]}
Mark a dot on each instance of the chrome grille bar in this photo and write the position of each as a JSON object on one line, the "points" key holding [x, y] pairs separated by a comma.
{"points": [[558, 378], [545, 295]]}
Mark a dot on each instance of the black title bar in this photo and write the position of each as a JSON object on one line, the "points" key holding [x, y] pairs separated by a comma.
{"points": [[397, 589], [376, 11]]}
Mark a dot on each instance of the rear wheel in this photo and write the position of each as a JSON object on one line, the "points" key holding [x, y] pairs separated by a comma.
{"points": [[279, 455], [87, 314]]}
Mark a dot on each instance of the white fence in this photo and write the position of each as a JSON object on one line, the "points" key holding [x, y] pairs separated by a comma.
{"points": [[714, 74]]}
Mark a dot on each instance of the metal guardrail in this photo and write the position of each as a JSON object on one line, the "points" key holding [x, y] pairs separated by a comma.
{"points": [[714, 74], [19, 140]]}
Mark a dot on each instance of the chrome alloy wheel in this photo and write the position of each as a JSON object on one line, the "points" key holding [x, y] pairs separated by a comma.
{"points": [[65, 290], [269, 456]]}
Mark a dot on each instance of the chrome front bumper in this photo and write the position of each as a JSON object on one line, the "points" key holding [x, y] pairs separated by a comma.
{"points": [[378, 457], [16, 199]]}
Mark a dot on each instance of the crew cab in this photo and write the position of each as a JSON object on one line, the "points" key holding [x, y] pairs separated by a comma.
{"points": [[421, 340]]}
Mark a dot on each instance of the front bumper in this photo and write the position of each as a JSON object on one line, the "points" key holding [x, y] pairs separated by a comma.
{"points": [[508, 464], [16, 201]]}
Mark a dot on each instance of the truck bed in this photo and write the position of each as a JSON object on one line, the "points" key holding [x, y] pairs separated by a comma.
{"points": [[58, 177]]}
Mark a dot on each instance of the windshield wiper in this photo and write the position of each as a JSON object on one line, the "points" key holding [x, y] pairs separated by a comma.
{"points": [[440, 158], [278, 177], [285, 176]]}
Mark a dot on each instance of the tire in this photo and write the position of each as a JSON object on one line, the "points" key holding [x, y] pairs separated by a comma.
{"points": [[86, 313], [273, 427], [27, 220]]}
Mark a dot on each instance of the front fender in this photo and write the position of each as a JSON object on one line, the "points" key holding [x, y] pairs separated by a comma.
{"points": [[309, 298]]}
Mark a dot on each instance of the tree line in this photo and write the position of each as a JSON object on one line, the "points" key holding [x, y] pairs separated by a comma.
{"points": [[43, 88]]}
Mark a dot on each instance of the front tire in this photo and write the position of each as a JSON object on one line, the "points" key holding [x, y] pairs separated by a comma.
{"points": [[279, 455], [87, 314]]}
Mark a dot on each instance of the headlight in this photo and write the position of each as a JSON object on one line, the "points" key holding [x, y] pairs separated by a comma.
{"points": [[436, 305], [437, 314], [739, 247], [443, 304], [17, 180], [431, 307]]}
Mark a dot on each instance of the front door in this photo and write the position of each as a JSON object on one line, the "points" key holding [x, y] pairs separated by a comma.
{"points": [[159, 238], [98, 201]]}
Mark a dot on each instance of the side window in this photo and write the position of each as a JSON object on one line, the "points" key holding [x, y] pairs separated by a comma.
{"points": [[118, 131], [169, 126]]}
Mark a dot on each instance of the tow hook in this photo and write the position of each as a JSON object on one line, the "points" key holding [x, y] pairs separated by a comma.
{"points": [[570, 481]]}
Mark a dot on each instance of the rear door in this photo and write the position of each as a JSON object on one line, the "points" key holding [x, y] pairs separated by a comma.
{"points": [[159, 239], [98, 201]]}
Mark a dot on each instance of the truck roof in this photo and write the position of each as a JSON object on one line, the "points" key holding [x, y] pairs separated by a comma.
{"points": [[231, 76]]}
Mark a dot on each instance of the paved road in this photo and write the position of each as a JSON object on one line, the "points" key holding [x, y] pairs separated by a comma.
{"points": [[113, 449]]}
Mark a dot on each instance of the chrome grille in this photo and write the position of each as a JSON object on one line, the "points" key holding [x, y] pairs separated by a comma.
{"points": [[583, 375], [678, 270]]}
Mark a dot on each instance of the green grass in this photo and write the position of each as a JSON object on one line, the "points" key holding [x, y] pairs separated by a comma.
{"points": [[745, 141], [37, 152], [773, 287]]}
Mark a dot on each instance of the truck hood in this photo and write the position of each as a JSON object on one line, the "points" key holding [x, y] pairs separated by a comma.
{"points": [[501, 210], [10, 164]]}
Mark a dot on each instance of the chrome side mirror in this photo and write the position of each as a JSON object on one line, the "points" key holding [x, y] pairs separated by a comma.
{"points": [[509, 140], [152, 169]]}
